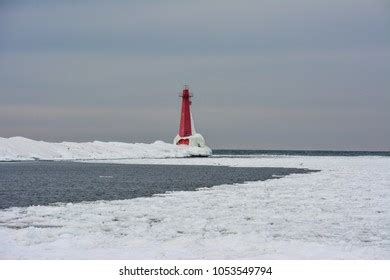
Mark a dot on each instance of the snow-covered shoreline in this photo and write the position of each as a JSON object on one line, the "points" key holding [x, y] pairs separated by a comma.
{"points": [[342, 212], [22, 149]]}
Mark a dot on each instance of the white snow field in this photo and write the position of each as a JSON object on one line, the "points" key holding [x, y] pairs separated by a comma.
{"points": [[342, 212], [20, 148]]}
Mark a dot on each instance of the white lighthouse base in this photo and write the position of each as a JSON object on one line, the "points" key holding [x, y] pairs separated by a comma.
{"points": [[196, 143]]}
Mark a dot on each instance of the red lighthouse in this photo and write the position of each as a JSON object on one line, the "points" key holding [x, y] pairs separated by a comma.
{"points": [[187, 134], [185, 129]]}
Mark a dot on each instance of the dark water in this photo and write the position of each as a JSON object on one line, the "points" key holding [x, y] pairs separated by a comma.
{"points": [[40, 183], [226, 152]]}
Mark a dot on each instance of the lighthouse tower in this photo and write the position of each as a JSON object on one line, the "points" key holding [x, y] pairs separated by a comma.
{"points": [[187, 134]]}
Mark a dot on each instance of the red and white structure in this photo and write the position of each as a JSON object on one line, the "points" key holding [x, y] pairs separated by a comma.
{"points": [[187, 134]]}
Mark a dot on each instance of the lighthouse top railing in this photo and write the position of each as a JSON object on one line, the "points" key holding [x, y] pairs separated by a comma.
{"points": [[190, 94]]}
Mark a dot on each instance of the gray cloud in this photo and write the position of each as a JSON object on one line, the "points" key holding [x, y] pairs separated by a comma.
{"points": [[266, 74]]}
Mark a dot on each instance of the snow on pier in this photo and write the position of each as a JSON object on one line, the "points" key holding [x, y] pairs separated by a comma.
{"points": [[20, 148]]}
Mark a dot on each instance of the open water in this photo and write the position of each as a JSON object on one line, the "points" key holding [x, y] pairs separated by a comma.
{"points": [[41, 182]]}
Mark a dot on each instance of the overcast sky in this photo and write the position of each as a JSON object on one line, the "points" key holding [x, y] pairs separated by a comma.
{"points": [[266, 74]]}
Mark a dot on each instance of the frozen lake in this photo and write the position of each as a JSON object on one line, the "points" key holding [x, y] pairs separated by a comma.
{"points": [[342, 212]]}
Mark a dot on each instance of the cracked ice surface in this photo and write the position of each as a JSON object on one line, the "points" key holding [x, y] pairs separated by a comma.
{"points": [[342, 212]]}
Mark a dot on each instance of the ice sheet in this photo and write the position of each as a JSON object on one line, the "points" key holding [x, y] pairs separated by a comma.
{"points": [[342, 212]]}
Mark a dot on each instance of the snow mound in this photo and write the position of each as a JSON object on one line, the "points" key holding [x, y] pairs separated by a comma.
{"points": [[20, 148]]}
